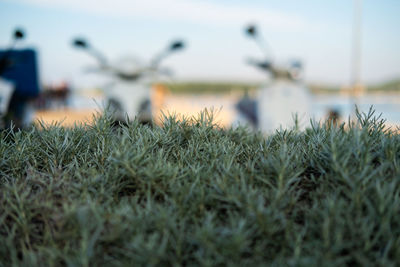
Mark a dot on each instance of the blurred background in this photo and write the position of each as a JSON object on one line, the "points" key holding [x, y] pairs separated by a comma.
{"points": [[244, 58]]}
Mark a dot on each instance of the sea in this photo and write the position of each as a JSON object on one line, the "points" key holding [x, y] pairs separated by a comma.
{"points": [[387, 106]]}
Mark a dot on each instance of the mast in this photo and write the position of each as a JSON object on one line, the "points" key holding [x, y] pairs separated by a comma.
{"points": [[355, 78]]}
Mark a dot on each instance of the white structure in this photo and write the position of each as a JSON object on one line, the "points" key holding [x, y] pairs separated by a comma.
{"points": [[281, 103], [132, 99], [129, 93], [284, 102], [6, 90]]}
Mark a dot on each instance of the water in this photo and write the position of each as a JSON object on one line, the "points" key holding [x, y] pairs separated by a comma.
{"points": [[387, 104]]}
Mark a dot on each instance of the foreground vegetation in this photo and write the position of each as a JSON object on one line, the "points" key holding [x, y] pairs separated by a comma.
{"points": [[189, 193]]}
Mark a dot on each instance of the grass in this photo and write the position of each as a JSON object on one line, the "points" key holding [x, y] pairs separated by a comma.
{"points": [[210, 87], [190, 193], [392, 86], [388, 86]]}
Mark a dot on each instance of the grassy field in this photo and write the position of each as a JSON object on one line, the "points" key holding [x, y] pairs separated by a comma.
{"points": [[210, 87], [389, 86], [190, 193], [224, 88]]}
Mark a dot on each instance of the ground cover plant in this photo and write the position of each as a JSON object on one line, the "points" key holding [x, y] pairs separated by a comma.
{"points": [[190, 193]]}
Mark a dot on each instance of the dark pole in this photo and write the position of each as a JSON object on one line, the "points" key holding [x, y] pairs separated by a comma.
{"points": [[252, 31]]}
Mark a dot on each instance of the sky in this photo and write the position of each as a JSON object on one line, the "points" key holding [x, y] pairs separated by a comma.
{"points": [[319, 33]]}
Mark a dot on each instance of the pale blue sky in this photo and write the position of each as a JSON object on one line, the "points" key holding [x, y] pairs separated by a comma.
{"points": [[315, 31]]}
